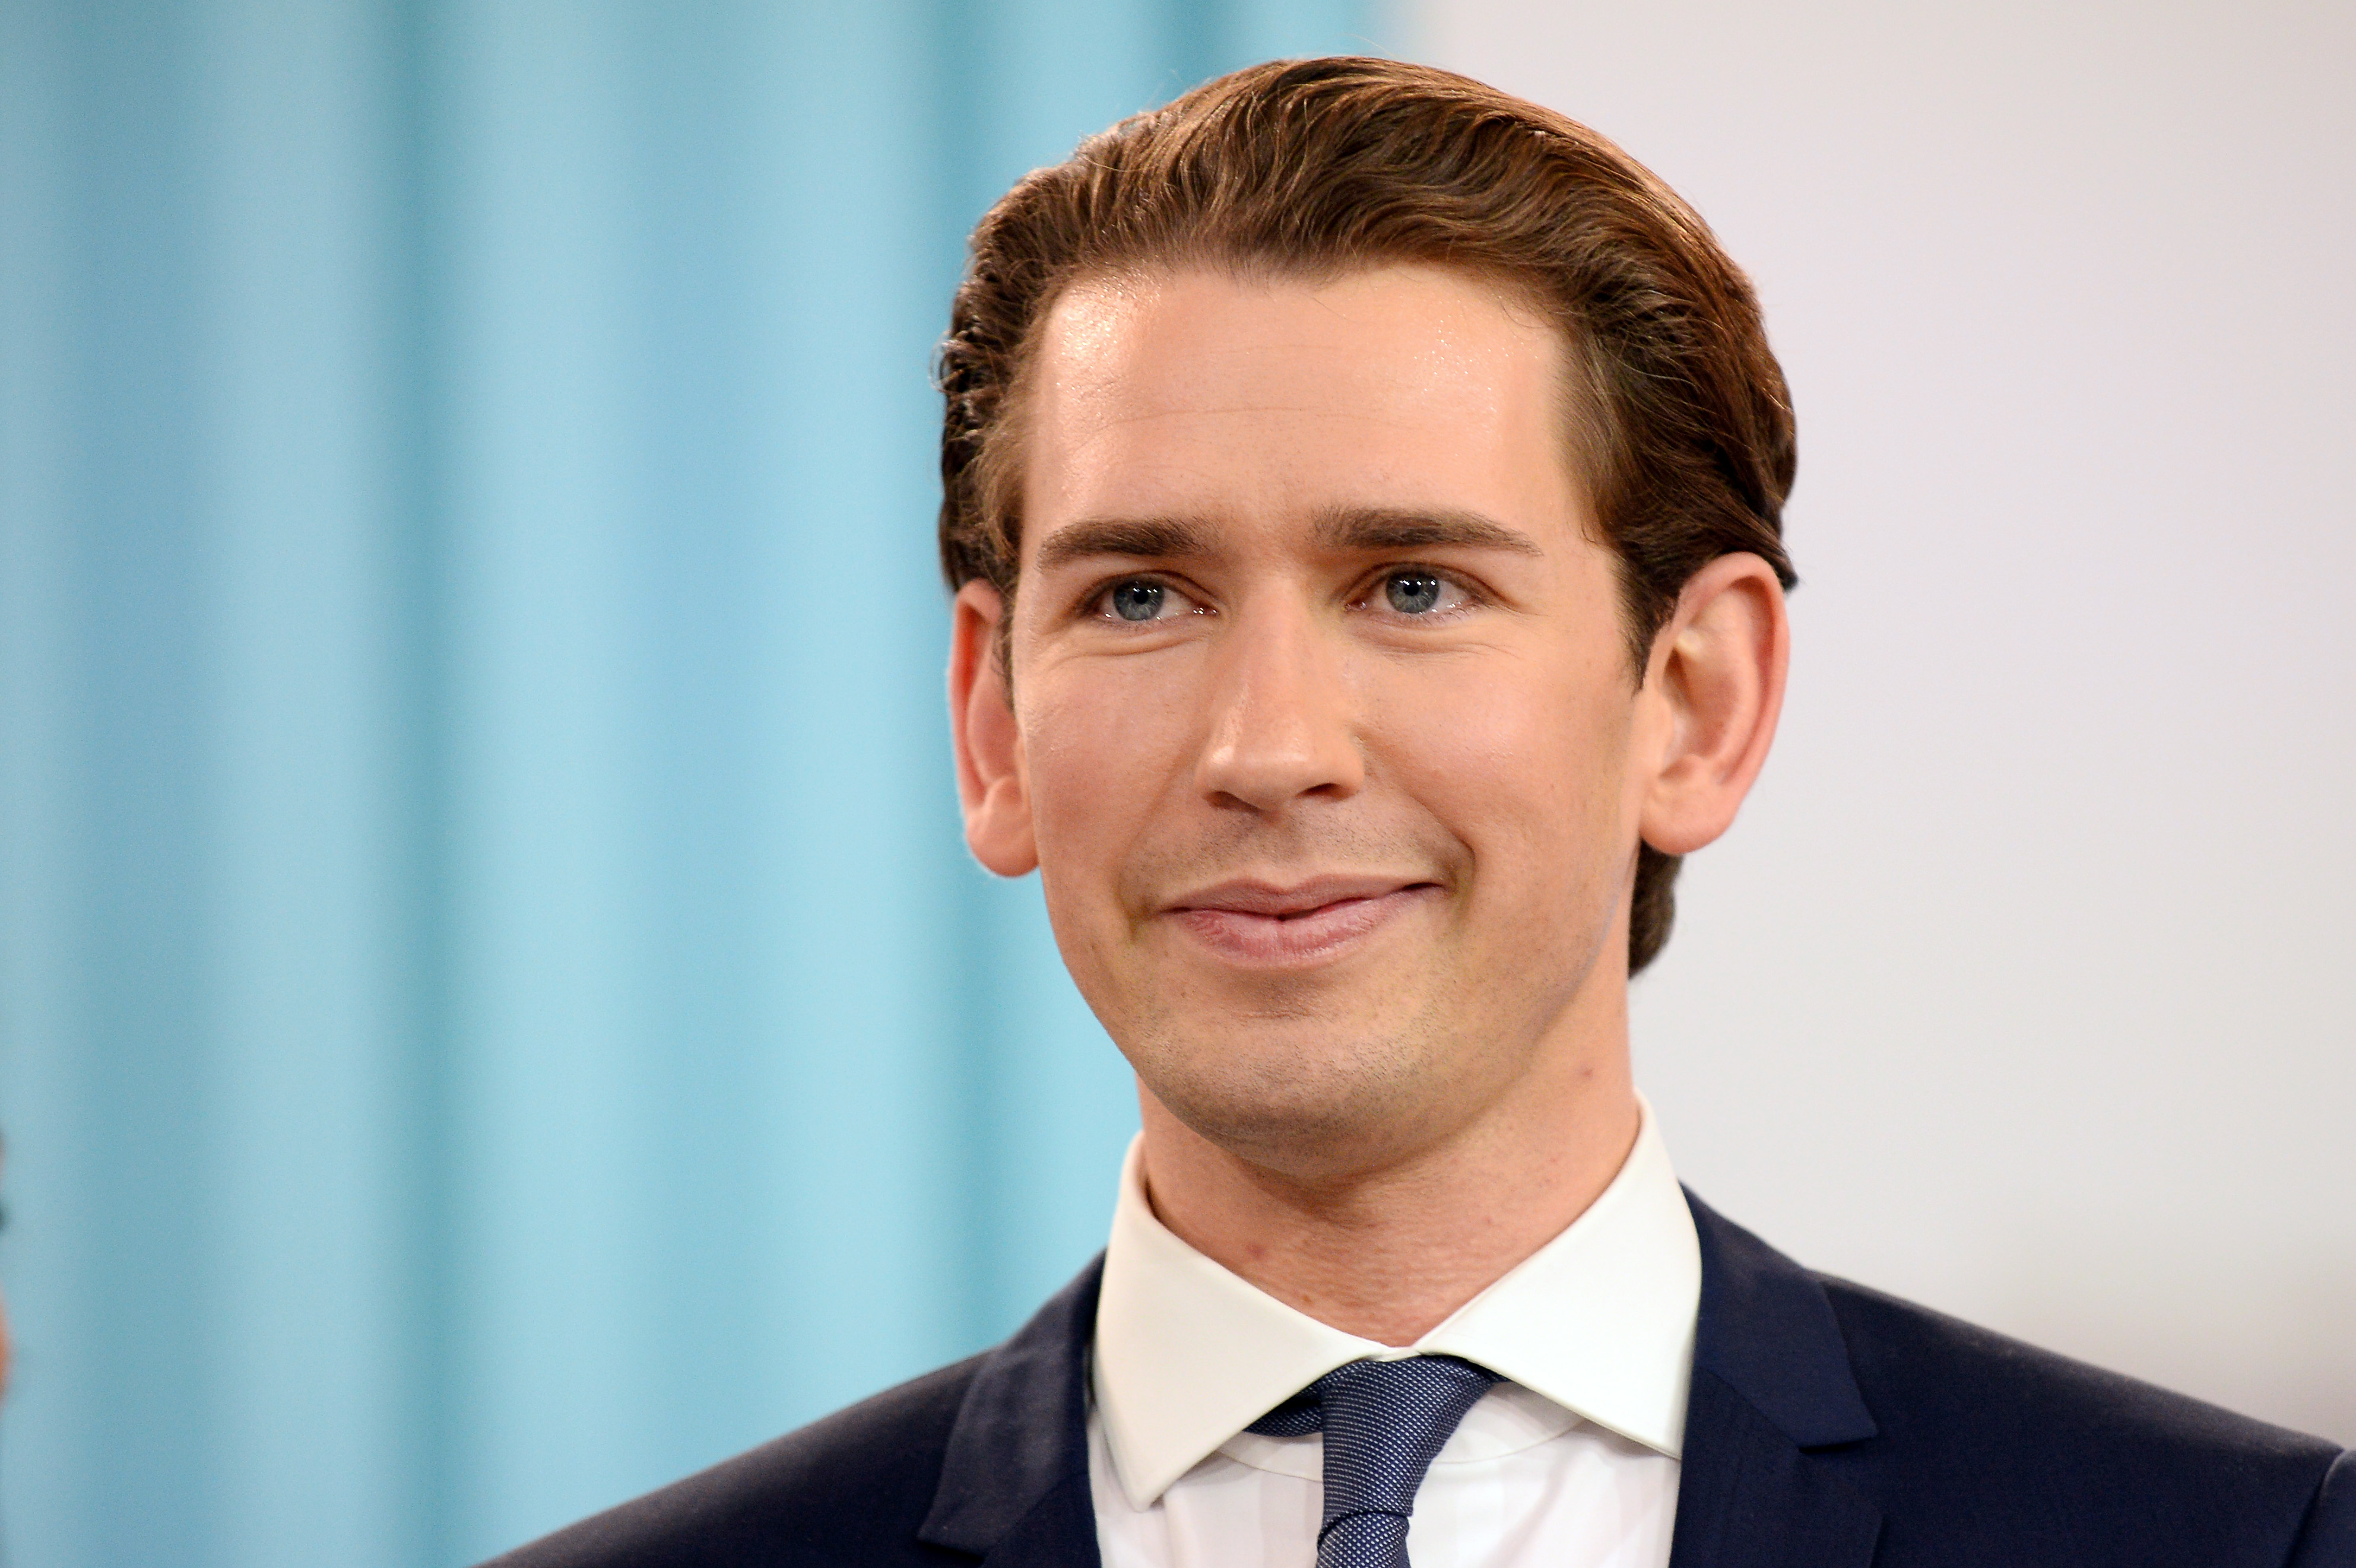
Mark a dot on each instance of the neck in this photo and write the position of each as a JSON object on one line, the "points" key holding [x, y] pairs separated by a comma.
{"points": [[1387, 1252]]}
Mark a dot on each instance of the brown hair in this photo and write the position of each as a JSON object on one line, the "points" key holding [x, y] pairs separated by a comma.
{"points": [[1318, 166]]}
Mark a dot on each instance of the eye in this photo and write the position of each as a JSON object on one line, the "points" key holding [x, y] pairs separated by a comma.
{"points": [[1416, 590], [1138, 600], [1412, 593]]}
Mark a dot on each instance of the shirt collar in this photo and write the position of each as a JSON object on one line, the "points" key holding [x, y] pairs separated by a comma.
{"points": [[1599, 1320]]}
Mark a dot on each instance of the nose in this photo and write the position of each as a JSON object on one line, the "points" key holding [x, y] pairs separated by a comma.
{"points": [[1282, 725]]}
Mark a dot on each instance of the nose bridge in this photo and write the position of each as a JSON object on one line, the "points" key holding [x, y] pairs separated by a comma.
{"points": [[1282, 722]]}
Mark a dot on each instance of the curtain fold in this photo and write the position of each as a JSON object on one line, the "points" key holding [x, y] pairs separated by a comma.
{"points": [[495, 1013]]}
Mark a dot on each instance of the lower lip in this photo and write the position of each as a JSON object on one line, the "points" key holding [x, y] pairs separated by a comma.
{"points": [[1319, 933]]}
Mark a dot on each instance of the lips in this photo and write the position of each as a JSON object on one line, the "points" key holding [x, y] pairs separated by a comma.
{"points": [[1262, 923]]}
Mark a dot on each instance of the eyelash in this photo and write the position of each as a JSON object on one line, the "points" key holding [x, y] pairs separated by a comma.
{"points": [[1094, 604], [1471, 592]]}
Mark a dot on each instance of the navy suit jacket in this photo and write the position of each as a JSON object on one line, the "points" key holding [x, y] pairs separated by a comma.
{"points": [[1830, 1426]]}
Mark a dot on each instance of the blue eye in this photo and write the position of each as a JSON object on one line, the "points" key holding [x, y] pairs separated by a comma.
{"points": [[1412, 593], [1137, 600]]}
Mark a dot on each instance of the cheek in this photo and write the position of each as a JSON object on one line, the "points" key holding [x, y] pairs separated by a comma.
{"points": [[1099, 750], [1527, 772]]}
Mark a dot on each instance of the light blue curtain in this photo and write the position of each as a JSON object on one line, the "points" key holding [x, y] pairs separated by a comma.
{"points": [[494, 1011]]}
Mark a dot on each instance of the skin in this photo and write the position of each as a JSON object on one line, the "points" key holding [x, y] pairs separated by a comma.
{"points": [[1338, 839]]}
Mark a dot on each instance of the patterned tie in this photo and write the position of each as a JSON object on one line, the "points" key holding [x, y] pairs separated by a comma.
{"points": [[1383, 1422]]}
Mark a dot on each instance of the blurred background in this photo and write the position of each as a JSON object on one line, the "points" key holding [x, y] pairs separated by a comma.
{"points": [[494, 1011]]}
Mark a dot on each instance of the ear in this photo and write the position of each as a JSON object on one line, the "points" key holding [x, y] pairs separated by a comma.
{"points": [[1712, 692], [989, 747]]}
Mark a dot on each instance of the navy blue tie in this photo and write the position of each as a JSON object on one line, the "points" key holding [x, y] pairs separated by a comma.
{"points": [[1384, 1423]]}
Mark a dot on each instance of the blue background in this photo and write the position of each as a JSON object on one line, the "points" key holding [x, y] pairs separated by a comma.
{"points": [[493, 1011]]}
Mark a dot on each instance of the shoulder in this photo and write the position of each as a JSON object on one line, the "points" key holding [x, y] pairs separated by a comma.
{"points": [[1979, 1433], [1822, 1405], [850, 1488], [935, 1471]]}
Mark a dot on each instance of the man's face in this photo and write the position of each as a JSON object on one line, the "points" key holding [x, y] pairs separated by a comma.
{"points": [[1322, 712]]}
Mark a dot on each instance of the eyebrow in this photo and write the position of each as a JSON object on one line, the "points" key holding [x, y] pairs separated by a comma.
{"points": [[1377, 528], [1145, 538], [1343, 529]]}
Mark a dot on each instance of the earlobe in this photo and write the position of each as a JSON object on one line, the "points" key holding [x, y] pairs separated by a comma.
{"points": [[987, 744], [1717, 686]]}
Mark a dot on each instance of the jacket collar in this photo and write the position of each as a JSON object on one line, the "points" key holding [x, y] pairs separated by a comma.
{"points": [[1767, 1330], [1014, 1479], [1771, 1382]]}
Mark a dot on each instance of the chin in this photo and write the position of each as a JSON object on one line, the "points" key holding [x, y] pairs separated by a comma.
{"points": [[1306, 1106]]}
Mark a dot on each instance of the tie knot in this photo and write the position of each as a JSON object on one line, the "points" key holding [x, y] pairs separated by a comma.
{"points": [[1383, 1422], [1418, 1381]]}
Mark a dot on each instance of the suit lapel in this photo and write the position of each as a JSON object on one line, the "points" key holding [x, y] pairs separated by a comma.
{"points": [[1059, 1532], [1750, 1498], [1771, 1384], [1015, 1478]]}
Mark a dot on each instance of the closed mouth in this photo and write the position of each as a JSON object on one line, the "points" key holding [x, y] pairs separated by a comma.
{"points": [[1261, 923]]}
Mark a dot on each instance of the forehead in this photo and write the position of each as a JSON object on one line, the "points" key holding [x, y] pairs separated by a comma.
{"points": [[1210, 395]]}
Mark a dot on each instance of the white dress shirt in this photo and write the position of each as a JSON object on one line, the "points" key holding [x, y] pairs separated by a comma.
{"points": [[1571, 1462]]}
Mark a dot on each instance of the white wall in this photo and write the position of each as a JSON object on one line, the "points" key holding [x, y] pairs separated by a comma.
{"points": [[2024, 987]]}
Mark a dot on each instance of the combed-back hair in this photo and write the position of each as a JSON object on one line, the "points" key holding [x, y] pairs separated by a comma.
{"points": [[1679, 421]]}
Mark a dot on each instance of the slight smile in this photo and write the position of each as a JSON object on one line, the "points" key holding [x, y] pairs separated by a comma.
{"points": [[1263, 924]]}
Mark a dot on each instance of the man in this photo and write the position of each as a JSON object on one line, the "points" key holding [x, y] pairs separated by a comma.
{"points": [[1362, 497]]}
